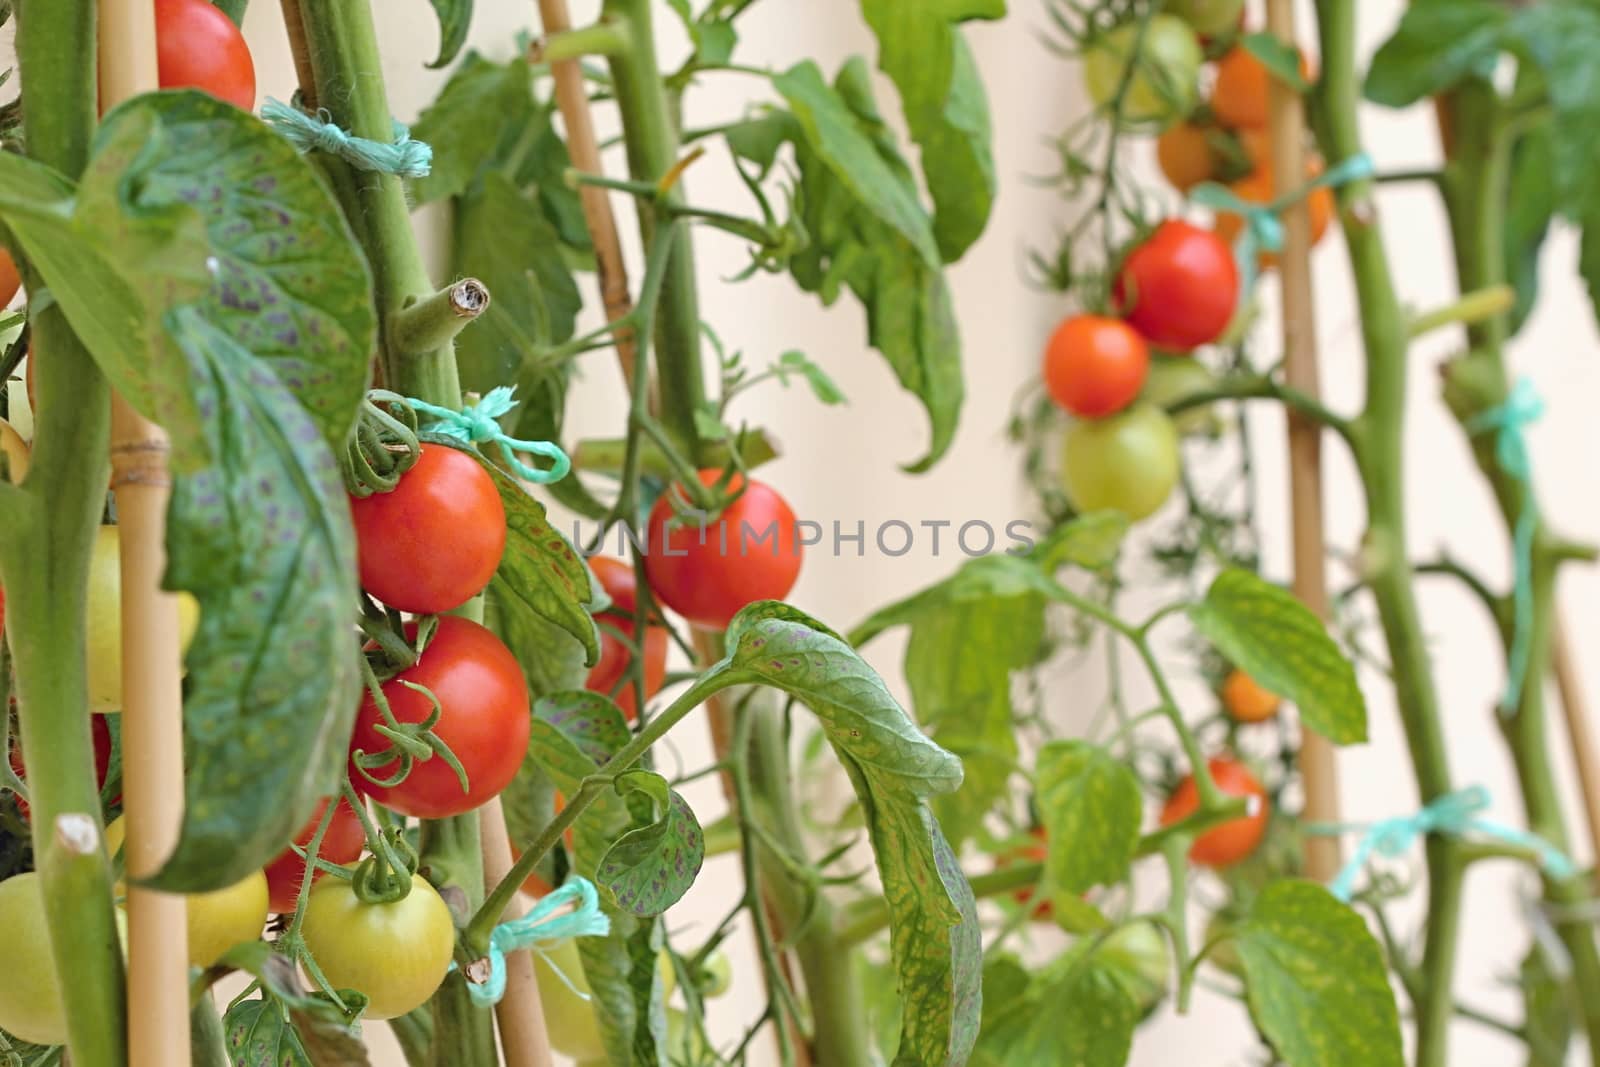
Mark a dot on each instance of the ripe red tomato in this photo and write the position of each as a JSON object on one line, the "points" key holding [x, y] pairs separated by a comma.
{"points": [[1095, 366], [485, 722], [616, 577], [10, 280], [1043, 911], [707, 572], [434, 542], [341, 843], [1179, 287], [198, 47], [1232, 841], [98, 730]]}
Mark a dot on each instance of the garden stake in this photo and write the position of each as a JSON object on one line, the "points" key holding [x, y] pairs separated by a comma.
{"points": [[523, 1036], [152, 732], [1580, 730], [1319, 771]]}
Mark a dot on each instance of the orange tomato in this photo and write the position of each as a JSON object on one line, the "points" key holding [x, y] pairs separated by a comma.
{"points": [[1095, 366], [1186, 156], [1239, 96], [10, 280], [1229, 842], [1257, 145], [1246, 700], [1257, 188]]}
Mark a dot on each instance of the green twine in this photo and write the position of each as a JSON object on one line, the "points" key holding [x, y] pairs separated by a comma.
{"points": [[480, 425], [1263, 230], [404, 157], [540, 924], [1508, 420], [1454, 815]]}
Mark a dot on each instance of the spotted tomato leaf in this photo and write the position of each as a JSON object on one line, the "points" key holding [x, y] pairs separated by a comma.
{"points": [[922, 50], [1091, 810], [934, 935], [650, 868], [258, 1034], [1271, 635], [1077, 1011], [212, 277], [1316, 979]]}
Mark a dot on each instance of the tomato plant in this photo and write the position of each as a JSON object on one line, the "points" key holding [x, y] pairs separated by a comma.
{"points": [[223, 918], [1179, 286], [482, 699], [435, 540], [1245, 700], [1095, 366], [1128, 462], [706, 570], [616, 660], [1233, 840], [395, 952], [199, 47], [342, 843], [1239, 95]]}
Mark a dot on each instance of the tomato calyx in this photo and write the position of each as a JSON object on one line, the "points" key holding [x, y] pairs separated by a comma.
{"points": [[384, 446], [409, 743], [385, 876]]}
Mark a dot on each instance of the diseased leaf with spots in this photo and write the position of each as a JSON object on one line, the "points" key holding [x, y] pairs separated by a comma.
{"points": [[1090, 806], [1076, 1011], [210, 274], [1316, 979], [455, 17], [258, 1034], [1268, 633], [650, 868], [934, 936]]}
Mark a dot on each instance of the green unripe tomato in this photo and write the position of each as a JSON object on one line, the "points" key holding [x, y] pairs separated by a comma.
{"points": [[1165, 84], [1174, 378], [1128, 462], [1208, 17], [1223, 953], [1136, 955], [716, 975], [30, 997]]}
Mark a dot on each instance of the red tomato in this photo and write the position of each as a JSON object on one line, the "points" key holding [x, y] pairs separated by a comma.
{"points": [[198, 47], [10, 280], [1232, 841], [485, 722], [1095, 366], [98, 730], [1179, 287], [1043, 911], [341, 843], [434, 542], [616, 577], [707, 572]]}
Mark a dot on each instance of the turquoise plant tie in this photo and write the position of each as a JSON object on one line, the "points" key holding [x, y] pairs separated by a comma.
{"points": [[405, 157], [1508, 420], [540, 924], [479, 425], [1453, 815], [1263, 230]]}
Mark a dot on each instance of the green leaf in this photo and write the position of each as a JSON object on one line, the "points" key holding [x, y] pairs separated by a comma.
{"points": [[212, 277], [506, 241], [942, 96], [650, 868], [1438, 43], [1548, 1010], [454, 18], [1091, 810], [1281, 59], [1317, 983], [1562, 37], [482, 107], [822, 386], [15, 1052], [258, 1034], [1077, 1011], [234, 9], [759, 139], [1091, 541], [1528, 218], [934, 936], [1271, 635], [539, 567]]}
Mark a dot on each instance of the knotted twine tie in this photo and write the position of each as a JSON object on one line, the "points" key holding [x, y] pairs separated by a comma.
{"points": [[1453, 815], [405, 157], [1520, 410], [478, 425], [540, 924], [1263, 230]]}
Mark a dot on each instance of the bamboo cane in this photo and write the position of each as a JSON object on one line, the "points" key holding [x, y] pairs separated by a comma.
{"points": [[523, 1036], [1580, 730], [152, 734], [1318, 769]]}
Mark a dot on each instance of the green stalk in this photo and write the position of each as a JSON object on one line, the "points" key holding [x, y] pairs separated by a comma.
{"points": [[44, 557], [653, 145], [1378, 440], [206, 1047], [1477, 188]]}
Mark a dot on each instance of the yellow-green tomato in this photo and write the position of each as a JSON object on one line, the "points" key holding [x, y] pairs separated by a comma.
{"points": [[1165, 83], [1136, 956], [396, 953], [30, 992], [105, 621], [221, 919], [1174, 378], [574, 1030], [1223, 952], [1208, 17], [715, 975], [1128, 462]]}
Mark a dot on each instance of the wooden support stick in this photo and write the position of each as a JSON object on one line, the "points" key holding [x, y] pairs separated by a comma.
{"points": [[1580, 730], [152, 721], [1318, 769], [584, 149], [523, 1036]]}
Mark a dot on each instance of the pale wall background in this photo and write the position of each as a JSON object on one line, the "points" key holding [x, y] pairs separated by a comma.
{"points": [[843, 462]]}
